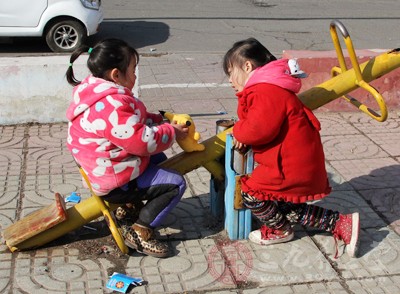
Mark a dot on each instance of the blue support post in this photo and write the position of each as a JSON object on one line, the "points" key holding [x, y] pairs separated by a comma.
{"points": [[237, 222]]}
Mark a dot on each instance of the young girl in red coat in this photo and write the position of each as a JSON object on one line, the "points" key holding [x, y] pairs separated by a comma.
{"points": [[284, 136], [119, 143]]}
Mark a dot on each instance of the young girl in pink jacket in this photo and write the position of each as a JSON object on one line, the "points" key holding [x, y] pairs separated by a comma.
{"points": [[284, 136], [118, 143]]}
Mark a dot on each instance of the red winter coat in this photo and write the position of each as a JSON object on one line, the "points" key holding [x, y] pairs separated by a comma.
{"points": [[284, 136]]}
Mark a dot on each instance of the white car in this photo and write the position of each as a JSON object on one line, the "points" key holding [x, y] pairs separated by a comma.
{"points": [[64, 23]]}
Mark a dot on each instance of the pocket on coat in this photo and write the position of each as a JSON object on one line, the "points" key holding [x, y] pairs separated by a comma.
{"points": [[270, 168]]}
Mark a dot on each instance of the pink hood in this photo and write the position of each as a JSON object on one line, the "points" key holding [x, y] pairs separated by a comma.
{"points": [[277, 73]]}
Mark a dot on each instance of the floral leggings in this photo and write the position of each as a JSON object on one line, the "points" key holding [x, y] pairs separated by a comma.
{"points": [[279, 214]]}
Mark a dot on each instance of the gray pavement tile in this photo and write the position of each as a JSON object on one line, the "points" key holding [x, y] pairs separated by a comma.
{"points": [[197, 265], [48, 136], [187, 68], [12, 136], [336, 181], [388, 141], [188, 221], [378, 258], [315, 288], [334, 124], [350, 201], [5, 269], [387, 203], [230, 105], [179, 93], [160, 70], [10, 195], [389, 284], [206, 127], [40, 190], [11, 160], [224, 292], [369, 173], [206, 67], [298, 261], [351, 147], [10, 184], [385, 134], [378, 254], [49, 160], [370, 126], [206, 106], [7, 218], [4, 285], [58, 271], [199, 180]]}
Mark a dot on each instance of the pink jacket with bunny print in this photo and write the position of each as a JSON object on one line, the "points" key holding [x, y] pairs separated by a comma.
{"points": [[111, 134]]}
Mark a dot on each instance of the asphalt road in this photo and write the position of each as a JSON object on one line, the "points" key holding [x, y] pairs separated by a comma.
{"points": [[208, 26], [212, 26]]}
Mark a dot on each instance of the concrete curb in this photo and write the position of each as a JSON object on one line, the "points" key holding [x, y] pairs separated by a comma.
{"points": [[34, 89]]}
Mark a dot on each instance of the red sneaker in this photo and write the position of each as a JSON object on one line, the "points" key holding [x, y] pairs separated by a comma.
{"points": [[268, 236], [347, 229]]}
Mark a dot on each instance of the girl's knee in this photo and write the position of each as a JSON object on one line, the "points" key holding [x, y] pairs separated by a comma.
{"points": [[180, 181]]}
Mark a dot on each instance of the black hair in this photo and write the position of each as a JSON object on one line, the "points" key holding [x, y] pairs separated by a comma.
{"points": [[249, 49], [104, 56]]}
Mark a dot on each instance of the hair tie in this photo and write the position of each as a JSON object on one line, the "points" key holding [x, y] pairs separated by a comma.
{"points": [[70, 64], [90, 50]]}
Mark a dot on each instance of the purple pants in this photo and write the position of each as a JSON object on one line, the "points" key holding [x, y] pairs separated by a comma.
{"points": [[162, 188]]}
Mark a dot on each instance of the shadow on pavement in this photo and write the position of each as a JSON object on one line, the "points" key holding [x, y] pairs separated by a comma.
{"points": [[138, 34]]}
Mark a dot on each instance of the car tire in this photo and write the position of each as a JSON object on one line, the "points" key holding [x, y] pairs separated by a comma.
{"points": [[65, 35]]}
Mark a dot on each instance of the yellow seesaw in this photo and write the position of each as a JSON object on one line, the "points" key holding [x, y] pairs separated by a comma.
{"points": [[343, 82]]}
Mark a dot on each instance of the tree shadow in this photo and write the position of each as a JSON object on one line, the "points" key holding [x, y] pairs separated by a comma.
{"points": [[138, 34], [381, 191], [375, 196], [24, 45]]}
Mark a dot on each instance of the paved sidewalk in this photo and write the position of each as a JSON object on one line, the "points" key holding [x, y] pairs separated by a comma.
{"points": [[362, 158]]}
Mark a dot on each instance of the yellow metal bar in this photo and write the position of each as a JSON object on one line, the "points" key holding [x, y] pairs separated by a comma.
{"points": [[336, 43], [216, 169], [345, 82], [107, 216], [77, 216], [186, 162], [359, 80]]}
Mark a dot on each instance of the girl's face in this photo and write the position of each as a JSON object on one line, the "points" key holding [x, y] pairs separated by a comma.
{"points": [[238, 76], [128, 78]]}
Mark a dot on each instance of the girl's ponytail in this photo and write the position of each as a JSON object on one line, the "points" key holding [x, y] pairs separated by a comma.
{"points": [[74, 56], [103, 57]]}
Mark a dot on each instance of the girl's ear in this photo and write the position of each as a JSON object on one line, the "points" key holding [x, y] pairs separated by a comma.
{"points": [[115, 75], [248, 67]]}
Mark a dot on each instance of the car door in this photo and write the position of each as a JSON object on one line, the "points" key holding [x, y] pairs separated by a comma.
{"points": [[21, 13]]}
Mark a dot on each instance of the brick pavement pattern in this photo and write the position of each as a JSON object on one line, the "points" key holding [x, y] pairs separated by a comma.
{"points": [[362, 159]]}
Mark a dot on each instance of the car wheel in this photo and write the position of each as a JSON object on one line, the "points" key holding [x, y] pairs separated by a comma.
{"points": [[65, 35]]}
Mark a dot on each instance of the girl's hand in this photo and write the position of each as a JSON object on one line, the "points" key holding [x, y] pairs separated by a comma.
{"points": [[242, 148], [181, 130]]}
